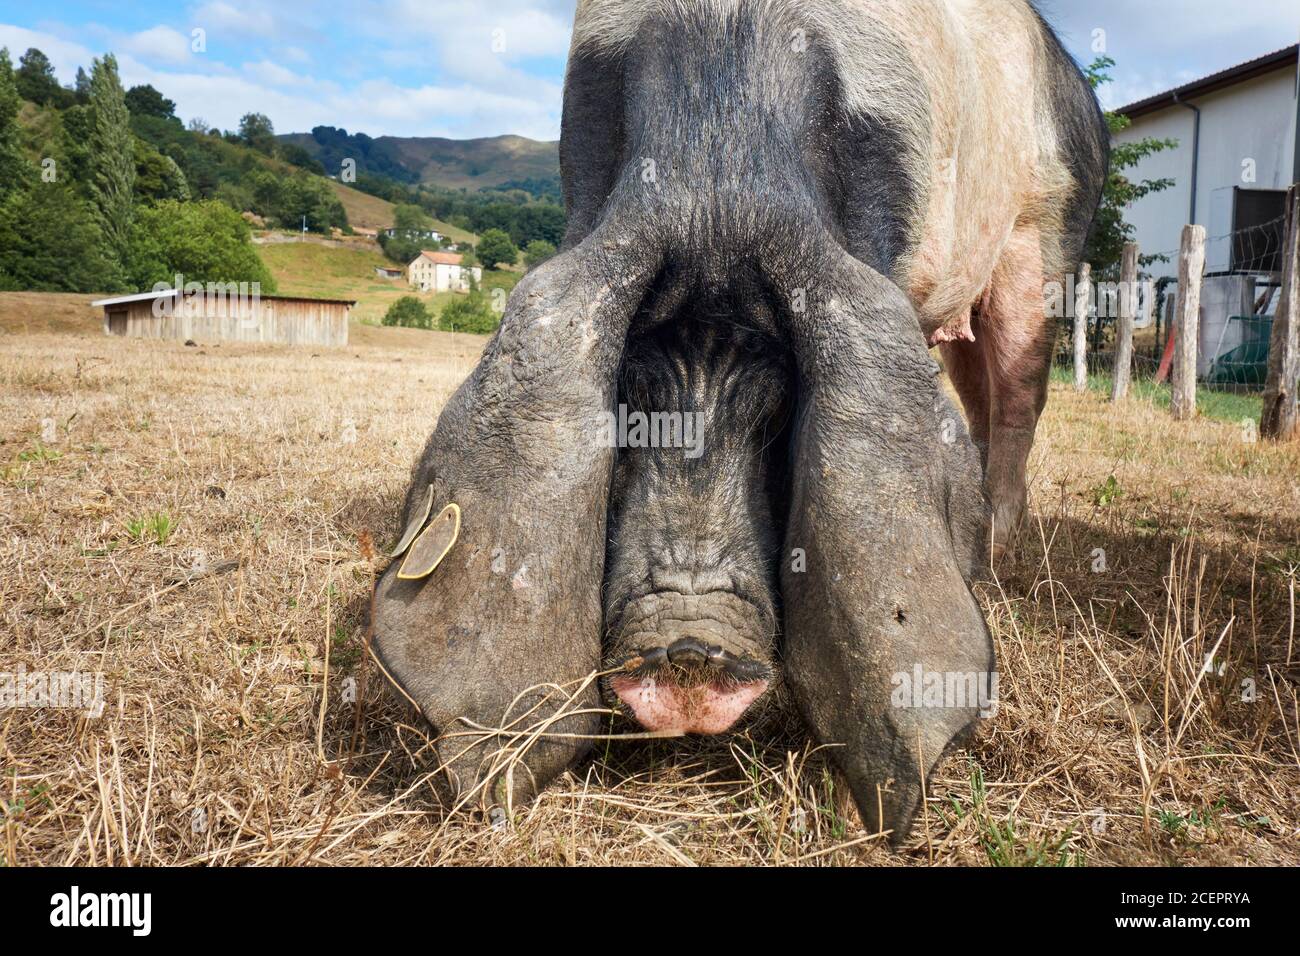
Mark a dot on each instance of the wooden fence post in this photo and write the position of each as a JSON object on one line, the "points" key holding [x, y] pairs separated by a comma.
{"points": [[1171, 310], [1280, 419], [1128, 277], [1191, 264], [1081, 291]]}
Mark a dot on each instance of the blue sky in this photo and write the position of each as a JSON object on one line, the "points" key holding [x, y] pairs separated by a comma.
{"points": [[466, 68]]}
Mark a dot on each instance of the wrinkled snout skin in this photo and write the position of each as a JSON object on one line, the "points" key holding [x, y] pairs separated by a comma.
{"points": [[708, 452], [690, 577]]}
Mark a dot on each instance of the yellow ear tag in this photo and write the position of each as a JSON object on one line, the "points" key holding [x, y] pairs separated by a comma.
{"points": [[432, 545], [414, 527]]}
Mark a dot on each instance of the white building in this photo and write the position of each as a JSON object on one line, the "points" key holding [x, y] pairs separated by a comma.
{"points": [[1236, 156], [413, 234], [441, 272]]}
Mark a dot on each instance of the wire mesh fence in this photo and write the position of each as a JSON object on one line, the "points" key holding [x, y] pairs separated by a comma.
{"points": [[1236, 317]]}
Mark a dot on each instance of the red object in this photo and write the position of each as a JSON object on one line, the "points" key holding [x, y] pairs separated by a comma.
{"points": [[1166, 361]]}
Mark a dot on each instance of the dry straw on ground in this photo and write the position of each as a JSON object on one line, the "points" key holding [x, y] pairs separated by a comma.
{"points": [[192, 523]]}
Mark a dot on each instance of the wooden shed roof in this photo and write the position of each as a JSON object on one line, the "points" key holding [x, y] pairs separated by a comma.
{"points": [[168, 293]]}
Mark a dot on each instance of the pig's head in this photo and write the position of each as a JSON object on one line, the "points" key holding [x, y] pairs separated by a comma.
{"points": [[820, 515]]}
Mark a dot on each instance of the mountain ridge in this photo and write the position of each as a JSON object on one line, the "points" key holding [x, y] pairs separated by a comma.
{"points": [[492, 162]]}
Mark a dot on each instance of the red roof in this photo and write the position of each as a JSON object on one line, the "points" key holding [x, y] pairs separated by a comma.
{"points": [[443, 258]]}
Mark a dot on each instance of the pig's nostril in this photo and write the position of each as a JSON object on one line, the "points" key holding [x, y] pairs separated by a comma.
{"points": [[646, 660], [693, 656], [688, 652], [747, 671]]}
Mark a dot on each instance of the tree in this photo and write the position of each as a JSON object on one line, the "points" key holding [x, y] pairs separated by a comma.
{"points": [[146, 101], [36, 80], [538, 220], [198, 124], [112, 157], [12, 160], [157, 177], [495, 248], [402, 249], [399, 248], [1110, 231], [82, 86], [48, 239], [472, 313], [410, 217], [74, 143], [295, 155], [236, 195], [256, 131], [50, 243], [288, 200], [408, 312], [537, 252], [203, 241]]}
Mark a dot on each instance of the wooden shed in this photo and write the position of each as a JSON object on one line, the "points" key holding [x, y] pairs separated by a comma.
{"points": [[228, 314]]}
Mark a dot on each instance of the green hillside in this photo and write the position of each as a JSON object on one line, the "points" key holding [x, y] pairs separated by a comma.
{"points": [[316, 270], [364, 211], [372, 212]]}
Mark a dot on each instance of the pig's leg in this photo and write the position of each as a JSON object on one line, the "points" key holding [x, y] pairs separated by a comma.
{"points": [[968, 371], [1016, 337]]}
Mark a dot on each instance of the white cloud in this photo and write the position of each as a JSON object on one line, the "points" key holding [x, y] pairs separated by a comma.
{"points": [[157, 43], [1192, 37], [65, 56], [438, 72], [273, 74], [478, 46], [452, 111], [245, 19], [507, 28]]}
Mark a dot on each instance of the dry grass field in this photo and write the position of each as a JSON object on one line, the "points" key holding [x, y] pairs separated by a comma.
{"points": [[200, 526]]}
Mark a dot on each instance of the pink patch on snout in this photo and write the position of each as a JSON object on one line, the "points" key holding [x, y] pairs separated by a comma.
{"points": [[707, 709]]}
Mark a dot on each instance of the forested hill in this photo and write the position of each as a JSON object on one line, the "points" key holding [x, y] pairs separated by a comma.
{"points": [[497, 162]]}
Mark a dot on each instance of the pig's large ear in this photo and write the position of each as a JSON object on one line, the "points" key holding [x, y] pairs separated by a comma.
{"points": [[886, 651], [490, 619]]}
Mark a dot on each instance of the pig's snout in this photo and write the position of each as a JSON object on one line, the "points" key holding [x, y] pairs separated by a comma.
{"points": [[691, 663]]}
